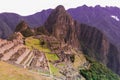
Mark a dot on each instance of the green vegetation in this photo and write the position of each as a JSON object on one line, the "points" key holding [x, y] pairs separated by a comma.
{"points": [[33, 43], [11, 72], [98, 71], [39, 44], [52, 57], [54, 70], [79, 60]]}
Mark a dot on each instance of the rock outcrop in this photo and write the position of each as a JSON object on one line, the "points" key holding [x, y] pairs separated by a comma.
{"points": [[61, 25], [23, 28]]}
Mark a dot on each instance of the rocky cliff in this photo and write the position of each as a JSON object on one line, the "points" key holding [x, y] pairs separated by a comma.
{"points": [[107, 19], [96, 44], [61, 25]]}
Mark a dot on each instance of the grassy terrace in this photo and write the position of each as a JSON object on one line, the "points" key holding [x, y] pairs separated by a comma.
{"points": [[79, 60], [33, 43], [11, 72], [52, 57]]}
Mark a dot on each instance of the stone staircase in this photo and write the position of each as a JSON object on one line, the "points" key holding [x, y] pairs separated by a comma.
{"points": [[29, 59], [22, 57], [5, 46], [2, 42], [10, 52]]}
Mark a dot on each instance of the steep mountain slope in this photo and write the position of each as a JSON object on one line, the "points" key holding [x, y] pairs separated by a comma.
{"points": [[61, 25], [5, 30], [23, 28], [95, 44], [105, 19], [48, 56], [8, 21]]}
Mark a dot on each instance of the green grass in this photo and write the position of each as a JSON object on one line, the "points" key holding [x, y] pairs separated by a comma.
{"points": [[35, 43], [62, 64], [51, 56], [54, 70], [11, 72], [79, 60]]}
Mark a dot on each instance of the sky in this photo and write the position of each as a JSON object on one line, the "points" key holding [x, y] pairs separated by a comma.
{"points": [[28, 7]]}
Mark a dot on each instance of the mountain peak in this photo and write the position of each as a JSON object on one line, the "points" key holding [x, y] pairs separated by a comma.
{"points": [[58, 16], [60, 8], [61, 25], [24, 29], [21, 26]]}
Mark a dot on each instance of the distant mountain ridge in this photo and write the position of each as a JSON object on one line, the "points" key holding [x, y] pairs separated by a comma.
{"points": [[104, 18], [8, 21], [101, 18]]}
